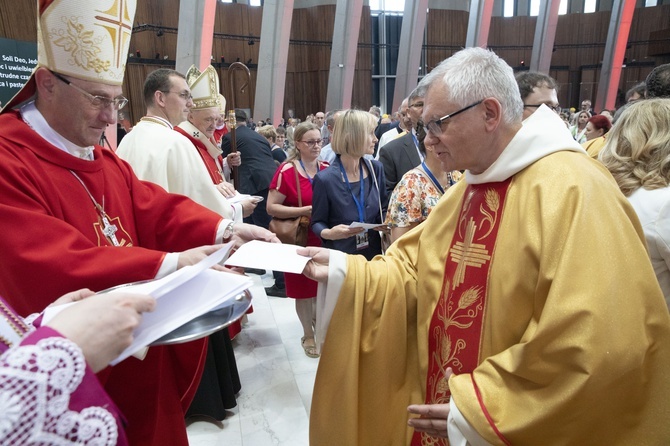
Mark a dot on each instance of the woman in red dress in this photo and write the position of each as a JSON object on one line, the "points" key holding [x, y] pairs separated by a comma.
{"points": [[283, 203]]}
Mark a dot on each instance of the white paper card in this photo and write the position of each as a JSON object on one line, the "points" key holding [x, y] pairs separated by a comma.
{"points": [[272, 256], [358, 224]]}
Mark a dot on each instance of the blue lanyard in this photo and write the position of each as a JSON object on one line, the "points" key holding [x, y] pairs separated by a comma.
{"points": [[360, 204], [415, 139], [416, 145], [432, 177], [311, 180]]}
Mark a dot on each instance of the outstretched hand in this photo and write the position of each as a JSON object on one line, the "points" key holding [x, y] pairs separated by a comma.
{"points": [[243, 232], [317, 267], [102, 325]]}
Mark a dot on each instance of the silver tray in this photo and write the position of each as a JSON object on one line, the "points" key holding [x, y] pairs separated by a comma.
{"points": [[210, 322], [204, 325]]}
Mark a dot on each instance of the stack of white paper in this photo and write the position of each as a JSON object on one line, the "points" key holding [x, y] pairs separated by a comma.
{"points": [[180, 297]]}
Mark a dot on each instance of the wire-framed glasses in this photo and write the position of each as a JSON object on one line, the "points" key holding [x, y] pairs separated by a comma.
{"points": [[97, 101], [554, 108], [435, 127]]}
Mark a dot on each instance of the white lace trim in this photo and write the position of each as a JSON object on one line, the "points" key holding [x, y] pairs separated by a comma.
{"points": [[36, 382]]}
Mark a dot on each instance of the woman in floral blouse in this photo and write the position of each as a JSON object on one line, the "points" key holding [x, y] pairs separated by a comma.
{"points": [[417, 192]]}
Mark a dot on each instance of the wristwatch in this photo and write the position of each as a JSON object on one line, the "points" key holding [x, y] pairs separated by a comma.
{"points": [[228, 232]]}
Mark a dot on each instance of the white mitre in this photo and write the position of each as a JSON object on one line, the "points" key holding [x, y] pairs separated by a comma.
{"points": [[85, 39]]}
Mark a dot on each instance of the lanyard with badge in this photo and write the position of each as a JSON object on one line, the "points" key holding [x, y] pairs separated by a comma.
{"points": [[362, 240]]}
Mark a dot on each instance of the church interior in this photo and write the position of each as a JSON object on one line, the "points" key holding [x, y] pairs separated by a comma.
{"points": [[301, 62]]}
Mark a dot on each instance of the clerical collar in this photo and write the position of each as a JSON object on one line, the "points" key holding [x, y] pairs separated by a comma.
{"points": [[158, 120], [32, 116]]}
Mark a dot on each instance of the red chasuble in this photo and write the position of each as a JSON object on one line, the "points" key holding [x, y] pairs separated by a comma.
{"points": [[455, 332], [210, 163], [52, 244]]}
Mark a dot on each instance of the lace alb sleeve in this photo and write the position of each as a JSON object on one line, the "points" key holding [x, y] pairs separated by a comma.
{"points": [[39, 385]]}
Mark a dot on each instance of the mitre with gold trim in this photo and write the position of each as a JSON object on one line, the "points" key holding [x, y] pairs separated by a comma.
{"points": [[204, 87], [85, 39]]}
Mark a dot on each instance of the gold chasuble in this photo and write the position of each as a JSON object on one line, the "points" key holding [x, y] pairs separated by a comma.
{"points": [[454, 335], [532, 282]]}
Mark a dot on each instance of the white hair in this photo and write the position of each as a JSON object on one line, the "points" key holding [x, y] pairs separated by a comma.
{"points": [[474, 74]]}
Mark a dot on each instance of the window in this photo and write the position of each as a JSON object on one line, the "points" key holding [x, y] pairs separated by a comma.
{"points": [[508, 8], [648, 3], [387, 5], [589, 6], [534, 8]]}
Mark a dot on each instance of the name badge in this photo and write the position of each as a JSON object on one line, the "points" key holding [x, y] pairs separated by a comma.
{"points": [[362, 240]]}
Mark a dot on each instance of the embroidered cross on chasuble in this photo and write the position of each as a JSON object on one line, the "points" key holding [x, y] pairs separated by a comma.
{"points": [[455, 332]]}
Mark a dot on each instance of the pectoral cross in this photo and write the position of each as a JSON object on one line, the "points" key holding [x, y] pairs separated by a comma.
{"points": [[109, 230]]}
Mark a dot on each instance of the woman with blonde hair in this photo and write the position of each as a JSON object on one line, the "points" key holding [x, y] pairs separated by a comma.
{"points": [[270, 133], [348, 191], [291, 196], [637, 154]]}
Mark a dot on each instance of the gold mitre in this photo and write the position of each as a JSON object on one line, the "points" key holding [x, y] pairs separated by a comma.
{"points": [[204, 87], [222, 104], [85, 39]]}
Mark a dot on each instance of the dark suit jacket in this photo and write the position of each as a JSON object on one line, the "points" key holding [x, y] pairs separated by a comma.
{"points": [[258, 166], [398, 157]]}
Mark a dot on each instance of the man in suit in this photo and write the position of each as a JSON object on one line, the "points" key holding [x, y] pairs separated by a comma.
{"points": [[402, 154], [255, 174]]}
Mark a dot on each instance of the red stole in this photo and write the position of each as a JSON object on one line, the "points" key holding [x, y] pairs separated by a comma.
{"points": [[455, 332]]}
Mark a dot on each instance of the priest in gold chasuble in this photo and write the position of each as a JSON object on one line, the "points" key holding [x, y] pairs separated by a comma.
{"points": [[529, 281]]}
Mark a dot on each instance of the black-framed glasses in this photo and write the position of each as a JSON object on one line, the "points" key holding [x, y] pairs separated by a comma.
{"points": [[313, 143], [97, 101], [435, 127], [555, 109], [185, 95]]}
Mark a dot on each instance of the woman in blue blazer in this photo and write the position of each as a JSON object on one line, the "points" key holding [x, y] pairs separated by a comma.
{"points": [[348, 190]]}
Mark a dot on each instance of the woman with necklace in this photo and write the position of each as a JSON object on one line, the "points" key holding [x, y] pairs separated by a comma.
{"points": [[348, 191], [418, 191], [284, 202]]}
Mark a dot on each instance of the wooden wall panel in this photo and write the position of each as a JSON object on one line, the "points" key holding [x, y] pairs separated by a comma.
{"points": [[446, 32], [18, 20]]}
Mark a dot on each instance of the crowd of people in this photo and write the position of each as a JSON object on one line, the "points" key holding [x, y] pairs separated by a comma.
{"points": [[485, 267]]}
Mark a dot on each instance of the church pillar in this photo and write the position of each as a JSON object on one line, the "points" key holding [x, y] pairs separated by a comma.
{"points": [[409, 53], [272, 59], [343, 55], [545, 33], [479, 23], [195, 35], [615, 49]]}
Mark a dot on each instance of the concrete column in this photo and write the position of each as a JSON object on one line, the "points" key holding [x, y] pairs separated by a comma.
{"points": [[479, 23], [545, 33], [615, 49], [343, 55], [409, 53], [272, 59], [195, 35]]}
